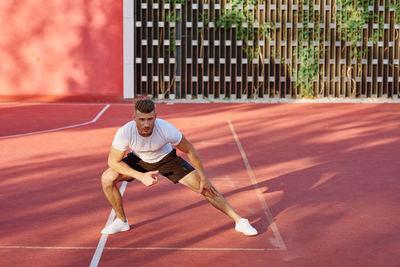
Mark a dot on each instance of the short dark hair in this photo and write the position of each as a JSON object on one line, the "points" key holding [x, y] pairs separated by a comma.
{"points": [[144, 105]]}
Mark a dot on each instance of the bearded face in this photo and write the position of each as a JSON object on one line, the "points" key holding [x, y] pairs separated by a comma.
{"points": [[145, 122]]}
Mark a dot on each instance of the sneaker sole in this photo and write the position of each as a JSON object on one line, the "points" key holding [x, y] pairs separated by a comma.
{"points": [[245, 233], [104, 233]]}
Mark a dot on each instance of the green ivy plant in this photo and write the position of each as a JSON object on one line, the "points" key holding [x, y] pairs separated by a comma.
{"points": [[306, 51], [204, 18], [240, 16], [169, 16], [351, 17], [395, 4]]}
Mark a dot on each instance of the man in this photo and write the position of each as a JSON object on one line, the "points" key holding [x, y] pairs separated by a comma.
{"points": [[152, 157]]}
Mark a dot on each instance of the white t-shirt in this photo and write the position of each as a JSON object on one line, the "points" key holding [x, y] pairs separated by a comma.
{"points": [[150, 149]]}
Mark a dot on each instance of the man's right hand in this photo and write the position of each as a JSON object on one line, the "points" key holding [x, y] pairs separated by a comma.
{"points": [[150, 178]]}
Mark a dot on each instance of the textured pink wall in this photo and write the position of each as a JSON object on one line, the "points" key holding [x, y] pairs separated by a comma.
{"points": [[62, 48]]}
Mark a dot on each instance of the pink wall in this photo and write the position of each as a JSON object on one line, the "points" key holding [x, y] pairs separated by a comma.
{"points": [[61, 48]]}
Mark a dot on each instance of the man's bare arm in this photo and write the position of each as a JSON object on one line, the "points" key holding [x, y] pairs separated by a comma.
{"points": [[187, 147], [115, 162]]}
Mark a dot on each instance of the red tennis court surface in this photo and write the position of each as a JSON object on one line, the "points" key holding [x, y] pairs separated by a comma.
{"points": [[320, 182]]}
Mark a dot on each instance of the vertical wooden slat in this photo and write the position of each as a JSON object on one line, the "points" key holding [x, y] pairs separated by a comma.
{"points": [[230, 67], [394, 67], [379, 58], [288, 50], [144, 48], [337, 57], [168, 76], [185, 69], [385, 53], [217, 55], [284, 75], [156, 82], [345, 64], [325, 72], [195, 56], [374, 86], [272, 50], [148, 45], [295, 42], [280, 47], [200, 67], [341, 52], [331, 48], [212, 48], [390, 54], [154, 37], [263, 13], [207, 31], [163, 51], [364, 66], [228, 56], [137, 53], [238, 72], [223, 53]]}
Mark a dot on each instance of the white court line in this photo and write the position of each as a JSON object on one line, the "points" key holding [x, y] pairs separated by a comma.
{"points": [[40, 247], [52, 104], [193, 119], [267, 212], [227, 180], [193, 249], [103, 238], [141, 248], [62, 128], [213, 143]]}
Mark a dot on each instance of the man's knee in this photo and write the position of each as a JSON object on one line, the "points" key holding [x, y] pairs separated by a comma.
{"points": [[109, 178]]}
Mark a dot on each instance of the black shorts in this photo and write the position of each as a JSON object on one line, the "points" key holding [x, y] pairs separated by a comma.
{"points": [[171, 166]]}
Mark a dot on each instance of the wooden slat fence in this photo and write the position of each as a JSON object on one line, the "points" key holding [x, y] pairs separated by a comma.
{"points": [[180, 52]]}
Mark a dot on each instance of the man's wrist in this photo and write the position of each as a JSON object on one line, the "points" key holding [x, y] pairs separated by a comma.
{"points": [[139, 176], [203, 178]]}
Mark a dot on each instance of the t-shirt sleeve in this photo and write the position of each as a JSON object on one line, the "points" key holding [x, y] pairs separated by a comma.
{"points": [[121, 140], [173, 135]]}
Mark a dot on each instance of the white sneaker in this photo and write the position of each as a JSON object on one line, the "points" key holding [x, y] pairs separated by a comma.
{"points": [[244, 227], [116, 226]]}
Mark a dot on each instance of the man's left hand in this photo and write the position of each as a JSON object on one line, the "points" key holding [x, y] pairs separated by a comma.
{"points": [[204, 185]]}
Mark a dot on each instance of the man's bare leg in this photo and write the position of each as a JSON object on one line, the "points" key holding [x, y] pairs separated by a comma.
{"points": [[109, 181], [192, 180]]}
